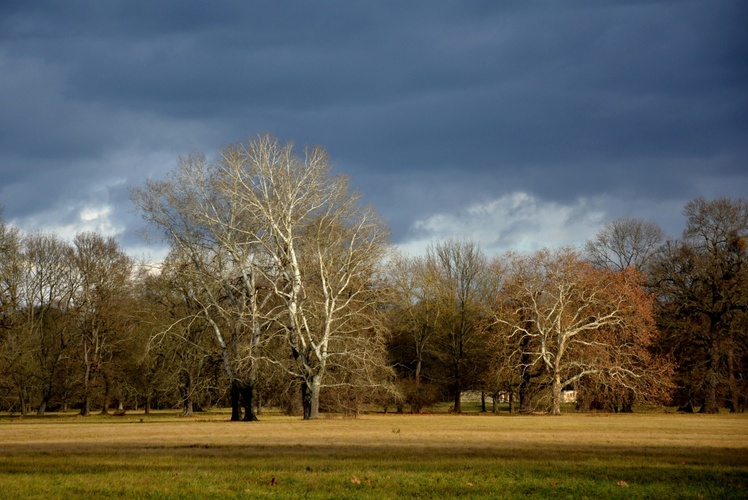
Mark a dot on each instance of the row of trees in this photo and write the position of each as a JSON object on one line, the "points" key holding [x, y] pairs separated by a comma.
{"points": [[281, 289], [526, 325], [631, 318], [63, 318]]}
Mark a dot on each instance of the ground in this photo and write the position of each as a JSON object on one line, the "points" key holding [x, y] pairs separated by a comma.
{"points": [[378, 456]]}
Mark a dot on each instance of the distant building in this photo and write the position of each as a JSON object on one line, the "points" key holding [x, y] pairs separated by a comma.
{"points": [[568, 396]]}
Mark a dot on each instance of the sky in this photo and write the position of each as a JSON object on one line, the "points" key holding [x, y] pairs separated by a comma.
{"points": [[517, 125]]}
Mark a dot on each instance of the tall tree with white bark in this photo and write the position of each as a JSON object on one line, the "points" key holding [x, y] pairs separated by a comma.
{"points": [[297, 240], [325, 248]]}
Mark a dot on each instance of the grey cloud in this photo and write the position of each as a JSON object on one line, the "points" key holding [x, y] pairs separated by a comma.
{"points": [[427, 105]]}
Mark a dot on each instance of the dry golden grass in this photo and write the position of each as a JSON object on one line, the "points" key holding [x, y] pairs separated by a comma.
{"points": [[401, 431], [576, 455]]}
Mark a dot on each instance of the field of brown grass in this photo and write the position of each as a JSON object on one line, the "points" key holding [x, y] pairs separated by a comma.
{"points": [[402, 431], [376, 455]]}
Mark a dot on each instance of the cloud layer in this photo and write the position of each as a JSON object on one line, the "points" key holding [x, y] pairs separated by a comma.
{"points": [[516, 124]]}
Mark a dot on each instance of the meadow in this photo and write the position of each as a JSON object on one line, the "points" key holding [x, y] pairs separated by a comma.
{"points": [[652, 455]]}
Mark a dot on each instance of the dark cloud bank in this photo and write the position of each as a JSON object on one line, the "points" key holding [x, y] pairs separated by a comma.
{"points": [[450, 117]]}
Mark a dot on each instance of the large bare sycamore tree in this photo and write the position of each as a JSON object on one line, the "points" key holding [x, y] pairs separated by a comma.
{"points": [[573, 322], [303, 248]]}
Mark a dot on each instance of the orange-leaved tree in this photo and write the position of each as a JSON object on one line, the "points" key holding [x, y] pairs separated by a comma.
{"points": [[572, 322]]}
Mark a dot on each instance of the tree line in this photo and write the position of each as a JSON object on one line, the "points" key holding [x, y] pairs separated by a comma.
{"points": [[281, 289]]}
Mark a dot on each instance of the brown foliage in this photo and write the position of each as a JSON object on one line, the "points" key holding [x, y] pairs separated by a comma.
{"points": [[566, 321]]}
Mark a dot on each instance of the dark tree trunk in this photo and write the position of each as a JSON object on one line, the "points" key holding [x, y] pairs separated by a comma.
{"points": [[525, 398], [712, 380], [457, 408], [46, 398], [236, 408], [86, 406], [105, 404], [247, 393], [306, 401], [22, 402], [686, 408], [731, 382], [187, 402], [310, 398], [627, 406], [189, 408], [511, 402]]}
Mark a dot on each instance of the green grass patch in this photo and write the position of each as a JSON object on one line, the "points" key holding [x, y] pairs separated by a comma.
{"points": [[376, 456]]}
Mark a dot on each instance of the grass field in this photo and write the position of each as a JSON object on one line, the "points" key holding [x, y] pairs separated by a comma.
{"points": [[375, 456]]}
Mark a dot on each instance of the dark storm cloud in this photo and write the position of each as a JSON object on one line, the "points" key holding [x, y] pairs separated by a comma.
{"points": [[429, 106]]}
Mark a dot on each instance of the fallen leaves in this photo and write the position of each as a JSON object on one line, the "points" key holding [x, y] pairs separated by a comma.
{"points": [[356, 480]]}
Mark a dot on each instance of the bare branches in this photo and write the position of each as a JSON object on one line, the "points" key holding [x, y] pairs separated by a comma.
{"points": [[574, 320], [623, 243], [280, 240]]}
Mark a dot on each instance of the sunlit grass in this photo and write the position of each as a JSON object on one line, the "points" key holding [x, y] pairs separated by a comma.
{"points": [[377, 456]]}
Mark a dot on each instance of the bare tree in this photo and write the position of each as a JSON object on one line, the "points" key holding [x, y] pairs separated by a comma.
{"points": [[506, 373], [576, 321], [179, 357], [11, 346], [325, 248], [623, 243], [413, 321], [10, 272], [702, 285], [49, 280], [293, 237], [463, 288], [16, 348], [101, 304], [215, 238]]}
